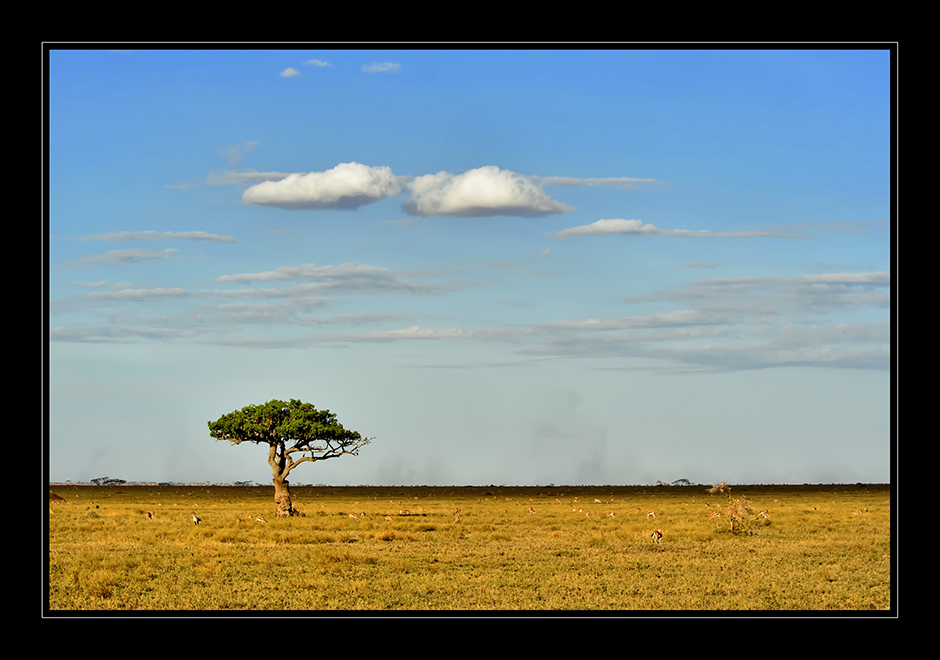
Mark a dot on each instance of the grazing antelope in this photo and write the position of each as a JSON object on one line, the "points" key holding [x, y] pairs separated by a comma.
{"points": [[650, 515], [353, 515], [531, 510], [404, 512], [151, 514], [261, 520], [764, 514], [656, 535], [597, 501], [713, 514], [610, 514], [456, 517], [388, 518], [196, 519]]}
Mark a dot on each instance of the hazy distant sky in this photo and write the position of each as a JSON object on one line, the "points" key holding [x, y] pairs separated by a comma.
{"points": [[509, 267]]}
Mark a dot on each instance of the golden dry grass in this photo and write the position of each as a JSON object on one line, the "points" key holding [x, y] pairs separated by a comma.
{"points": [[540, 548]]}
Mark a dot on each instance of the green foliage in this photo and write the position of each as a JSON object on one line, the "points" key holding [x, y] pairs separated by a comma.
{"points": [[290, 424], [107, 481]]}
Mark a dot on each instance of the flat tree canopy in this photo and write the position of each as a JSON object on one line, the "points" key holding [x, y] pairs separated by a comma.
{"points": [[295, 433]]}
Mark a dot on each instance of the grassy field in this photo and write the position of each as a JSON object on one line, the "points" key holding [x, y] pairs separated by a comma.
{"points": [[539, 548]]}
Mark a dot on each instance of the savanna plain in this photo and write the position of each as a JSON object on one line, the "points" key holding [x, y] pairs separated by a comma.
{"points": [[405, 548]]}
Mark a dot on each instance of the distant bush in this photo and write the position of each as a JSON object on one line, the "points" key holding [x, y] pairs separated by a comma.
{"points": [[107, 481]]}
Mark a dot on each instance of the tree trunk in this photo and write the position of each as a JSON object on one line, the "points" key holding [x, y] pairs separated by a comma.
{"points": [[285, 507]]}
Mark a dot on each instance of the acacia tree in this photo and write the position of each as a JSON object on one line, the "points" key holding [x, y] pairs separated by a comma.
{"points": [[295, 433]]}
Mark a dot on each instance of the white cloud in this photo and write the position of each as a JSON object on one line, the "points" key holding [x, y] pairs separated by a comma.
{"points": [[346, 186], [316, 62], [620, 227], [381, 67], [289, 72], [485, 191]]}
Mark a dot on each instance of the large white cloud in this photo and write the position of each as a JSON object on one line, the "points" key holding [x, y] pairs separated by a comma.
{"points": [[346, 186], [485, 191]]}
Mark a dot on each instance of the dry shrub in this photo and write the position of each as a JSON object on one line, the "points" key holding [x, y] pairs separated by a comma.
{"points": [[740, 514], [720, 488]]}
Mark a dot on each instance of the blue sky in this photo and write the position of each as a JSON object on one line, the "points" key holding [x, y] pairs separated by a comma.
{"points": [[507, 266]]}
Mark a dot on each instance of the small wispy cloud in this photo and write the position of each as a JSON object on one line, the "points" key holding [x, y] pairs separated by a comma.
{"points": [[111, 334], [123, 257], [235, 153], [620, 227], [246, 176], [138, 294], [159, 236], [289, 72], [615, 181], [318, 63], [381, 67], [343, 279]]}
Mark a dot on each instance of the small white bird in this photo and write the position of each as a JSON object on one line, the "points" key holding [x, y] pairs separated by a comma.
{"points": [[196, 519]]}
